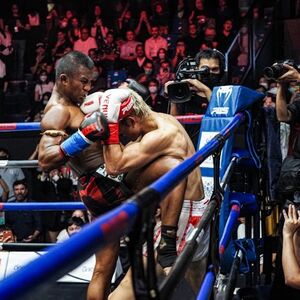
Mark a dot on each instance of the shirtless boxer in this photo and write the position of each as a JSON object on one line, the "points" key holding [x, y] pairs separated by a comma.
{"points": [[159, 144], [62, 142]]}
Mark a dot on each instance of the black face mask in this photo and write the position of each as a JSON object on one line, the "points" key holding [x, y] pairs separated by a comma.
{"points": [[211, 80]]}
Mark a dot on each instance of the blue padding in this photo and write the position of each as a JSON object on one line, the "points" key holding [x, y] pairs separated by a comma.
{"points": [[229, 227], [207, 285], [228, 100], [249, 255], [74, 144], [248, 202]]}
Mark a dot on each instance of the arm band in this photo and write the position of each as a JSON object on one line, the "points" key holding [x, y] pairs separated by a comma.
{"points": [[166, 251], [113, 134], [74, 144]]}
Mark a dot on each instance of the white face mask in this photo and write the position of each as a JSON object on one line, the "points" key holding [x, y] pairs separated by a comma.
{"points": [[265, 85], [55, 178], [43, 78], [161, 56], [153, 89]]}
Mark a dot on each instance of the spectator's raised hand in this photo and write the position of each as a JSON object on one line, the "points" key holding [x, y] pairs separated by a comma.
{"points": [[291, 220]]}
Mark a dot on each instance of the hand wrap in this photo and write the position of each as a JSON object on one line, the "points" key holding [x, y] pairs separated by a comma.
{"points": [[166, 251]]}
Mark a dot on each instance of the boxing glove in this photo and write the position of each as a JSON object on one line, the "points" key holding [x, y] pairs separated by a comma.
{"points": [[91, 103], [115, 104], [94, 127]]}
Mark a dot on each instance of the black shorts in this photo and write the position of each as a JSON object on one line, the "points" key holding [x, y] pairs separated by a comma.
{"points": [[100, 194]]}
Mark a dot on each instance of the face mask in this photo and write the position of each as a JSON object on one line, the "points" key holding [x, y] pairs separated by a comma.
{"points": [[180, 14], [55, 178], [43, 78], [265, 85], [292, 90], [64, 24], [161, 56], [148, 72], [95, 75], [212, 80], [153, 89]]}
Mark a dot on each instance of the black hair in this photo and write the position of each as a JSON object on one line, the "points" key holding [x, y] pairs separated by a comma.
{"points": [[212, 54], [22, 181], [5, 151], [75, 221], [70, 63]]}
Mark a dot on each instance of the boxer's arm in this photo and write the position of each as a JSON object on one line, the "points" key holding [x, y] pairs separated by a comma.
{"points": [[50, 154], [138, 154]]}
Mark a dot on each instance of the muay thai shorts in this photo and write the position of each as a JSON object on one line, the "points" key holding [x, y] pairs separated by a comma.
{"points": [[101, 192]]}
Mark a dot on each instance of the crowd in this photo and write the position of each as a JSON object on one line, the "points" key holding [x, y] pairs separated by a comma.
{"points": [[146, 43]]}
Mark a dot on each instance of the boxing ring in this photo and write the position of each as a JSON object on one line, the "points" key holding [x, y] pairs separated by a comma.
{"points": [[62, 258]]}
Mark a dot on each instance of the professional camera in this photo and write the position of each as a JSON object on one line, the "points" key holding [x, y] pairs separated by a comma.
{"points": [[277, 70], [180, 92]]}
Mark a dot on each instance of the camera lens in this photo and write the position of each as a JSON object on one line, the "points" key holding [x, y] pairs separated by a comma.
{"points": [[274, 72]]}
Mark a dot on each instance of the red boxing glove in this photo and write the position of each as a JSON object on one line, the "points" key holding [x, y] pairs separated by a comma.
{"points": [[113, 135]]}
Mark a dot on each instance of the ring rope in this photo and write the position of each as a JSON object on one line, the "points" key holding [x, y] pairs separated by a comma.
{"points": [[107, 228]]}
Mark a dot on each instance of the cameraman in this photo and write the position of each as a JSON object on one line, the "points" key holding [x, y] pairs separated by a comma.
{"points": [[201, 89], [287, 113]]}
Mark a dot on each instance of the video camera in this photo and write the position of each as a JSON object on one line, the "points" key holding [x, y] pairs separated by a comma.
{"points": [[277, 70], [179, 92]]}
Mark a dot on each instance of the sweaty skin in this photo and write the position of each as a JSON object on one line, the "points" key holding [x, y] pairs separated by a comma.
{"points": [[159, 144], [62, 113]]}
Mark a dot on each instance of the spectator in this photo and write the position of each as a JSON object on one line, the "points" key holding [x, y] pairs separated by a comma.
{"points": [[165, 73], [192, 40], [61, 44], [162, 55], [26, 225], [85, 42], [9, 175], [6, 235], [127, 53], [74, 30], [291, 247], [6, 48], [39, 59], [157, 102], [148, 68], [44, 85], [5, 190], [18, 26], [226, 36], [154, 43], [210, 35], [109, 52], [126, 22], [160, 15], [37, 112], [74, 225], [136, 67], [96, 23], [143, 29], [82, 214], [180, 53]]}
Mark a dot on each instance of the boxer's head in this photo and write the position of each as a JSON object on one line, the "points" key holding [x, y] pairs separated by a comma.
{"points": [[133, 125], [74, 73]]}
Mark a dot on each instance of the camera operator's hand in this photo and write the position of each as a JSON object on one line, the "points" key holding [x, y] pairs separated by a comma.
{"points": [[291, 75], [200, 88]]}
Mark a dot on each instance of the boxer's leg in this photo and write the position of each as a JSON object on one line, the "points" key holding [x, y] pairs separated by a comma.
{"points": [[106, 259]]}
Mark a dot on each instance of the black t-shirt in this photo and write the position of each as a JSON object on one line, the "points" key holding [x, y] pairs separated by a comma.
{"points": [[294, 108]]}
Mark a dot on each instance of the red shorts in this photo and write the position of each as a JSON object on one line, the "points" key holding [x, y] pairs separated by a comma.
{"points": [[100, 194]]}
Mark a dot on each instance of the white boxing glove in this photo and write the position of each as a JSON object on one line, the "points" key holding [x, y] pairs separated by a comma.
{"points": [[91, 103], [116, 104]]}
